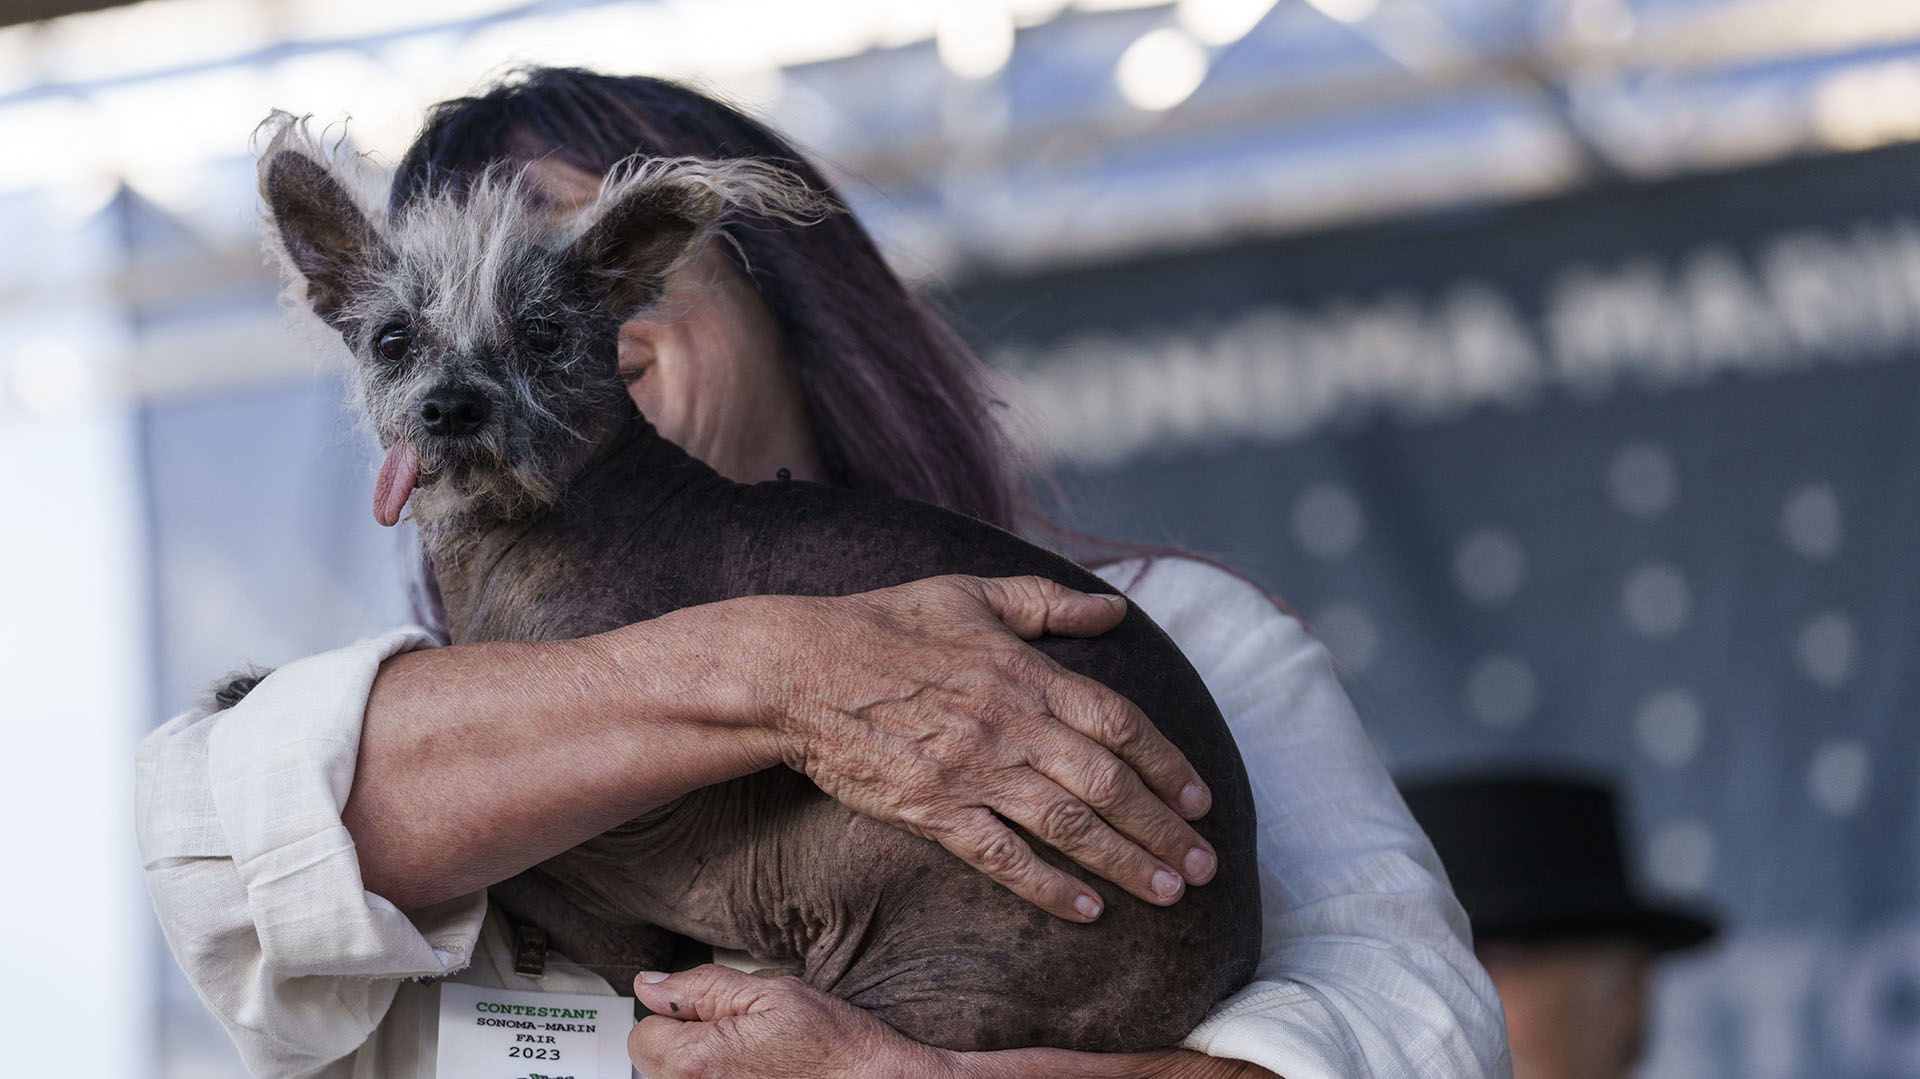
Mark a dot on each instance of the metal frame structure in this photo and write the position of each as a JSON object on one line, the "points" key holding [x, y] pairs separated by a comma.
{"points": [[990, 135]]}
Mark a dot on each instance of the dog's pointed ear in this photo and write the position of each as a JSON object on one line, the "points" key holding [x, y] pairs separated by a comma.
{"points": [[653, 214], [323, 231], [646, 228]]}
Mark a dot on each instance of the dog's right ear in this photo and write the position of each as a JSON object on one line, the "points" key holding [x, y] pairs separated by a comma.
{"points": [[325, 235], [643, 228], [651, 215]]}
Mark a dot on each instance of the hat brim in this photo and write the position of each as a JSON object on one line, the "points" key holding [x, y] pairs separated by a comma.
{"points": [[1663, 929]]}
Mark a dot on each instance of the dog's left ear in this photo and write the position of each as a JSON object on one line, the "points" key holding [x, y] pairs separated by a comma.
{"points": [[326, 237], [647, 227]]}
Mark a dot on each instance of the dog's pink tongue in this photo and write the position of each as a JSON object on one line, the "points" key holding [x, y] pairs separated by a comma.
{"points": [[397, 476]]}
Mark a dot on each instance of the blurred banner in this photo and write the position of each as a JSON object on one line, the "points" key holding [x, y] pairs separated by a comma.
{"points": [[1625, 480]]}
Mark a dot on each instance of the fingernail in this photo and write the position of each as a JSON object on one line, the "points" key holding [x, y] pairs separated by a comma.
{"points": [[1165, 884], [1088, 906], [1194, 801], [652, 976], [1116, 601], [1199, 865]]}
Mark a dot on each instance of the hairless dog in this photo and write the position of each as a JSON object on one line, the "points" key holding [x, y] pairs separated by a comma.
{"points": [[485, 342]]}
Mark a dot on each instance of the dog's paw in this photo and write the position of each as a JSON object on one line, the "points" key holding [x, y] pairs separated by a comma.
{"points": [[234, 688]]}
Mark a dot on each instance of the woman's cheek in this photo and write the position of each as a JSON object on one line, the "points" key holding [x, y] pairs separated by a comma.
{"points": [[645, 397]]}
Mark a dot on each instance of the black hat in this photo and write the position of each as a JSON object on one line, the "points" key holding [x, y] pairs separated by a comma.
{"points": [[1535, 856]]}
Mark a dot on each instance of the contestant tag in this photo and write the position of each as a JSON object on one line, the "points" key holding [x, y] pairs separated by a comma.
{"points": [[509, 1034]]}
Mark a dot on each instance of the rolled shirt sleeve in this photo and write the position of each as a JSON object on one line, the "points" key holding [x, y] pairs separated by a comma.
{"points": [[1367, 967], [255, 878]]}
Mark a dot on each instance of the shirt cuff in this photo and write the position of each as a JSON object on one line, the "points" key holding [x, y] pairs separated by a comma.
{"points": [[1284, 1027], [282, 763]]}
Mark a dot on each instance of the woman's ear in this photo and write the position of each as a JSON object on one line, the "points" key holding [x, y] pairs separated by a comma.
{"points": [[639, 349]]}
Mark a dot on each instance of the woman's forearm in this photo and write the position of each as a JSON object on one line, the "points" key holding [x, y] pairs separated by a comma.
{"points": [[1062, 1064], [478, 761]]}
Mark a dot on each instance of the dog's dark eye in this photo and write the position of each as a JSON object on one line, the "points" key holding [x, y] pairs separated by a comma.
{"points": [[394, 343], [542, 335]]}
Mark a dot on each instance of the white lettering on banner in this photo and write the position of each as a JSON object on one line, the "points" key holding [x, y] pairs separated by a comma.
{"points": [[1780, 1005], [1277, 373]]}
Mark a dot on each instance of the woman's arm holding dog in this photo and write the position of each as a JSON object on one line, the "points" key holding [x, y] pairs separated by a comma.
{"points": [[712, 1020], [478, 761], [273, 903]]}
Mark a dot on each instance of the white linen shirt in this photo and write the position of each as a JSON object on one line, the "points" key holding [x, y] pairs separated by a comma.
{"points": [[1366, 967]]}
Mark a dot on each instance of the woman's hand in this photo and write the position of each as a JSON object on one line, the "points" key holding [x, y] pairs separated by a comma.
{"points": [[713, 1021], [921, 706], [716, 1021]]}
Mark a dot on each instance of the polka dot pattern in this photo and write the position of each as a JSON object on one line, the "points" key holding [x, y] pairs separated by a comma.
{"points": [[1825, 649], [1327, 521], [1656, 601], [1349, 633], [1669, 727], [1642, 481], [1501, 692], [1810, 522], [1680, 858], [1490, 566], [1679, 619], [1837, 779]]}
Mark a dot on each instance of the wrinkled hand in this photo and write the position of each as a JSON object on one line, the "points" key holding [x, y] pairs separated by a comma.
{"points": [[921, 706], [714, 1021]]}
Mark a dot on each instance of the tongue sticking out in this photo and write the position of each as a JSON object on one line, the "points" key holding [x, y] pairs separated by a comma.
{"points": [[397, 476]]}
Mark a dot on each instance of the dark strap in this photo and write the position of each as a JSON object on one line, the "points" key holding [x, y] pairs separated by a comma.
{"points": [[529, 950]]}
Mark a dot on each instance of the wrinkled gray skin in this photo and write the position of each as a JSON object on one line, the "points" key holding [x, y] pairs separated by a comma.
{"points": [[580, 519]]}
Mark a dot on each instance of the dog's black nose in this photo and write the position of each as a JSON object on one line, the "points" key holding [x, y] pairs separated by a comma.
{"points": [[453, 412]]}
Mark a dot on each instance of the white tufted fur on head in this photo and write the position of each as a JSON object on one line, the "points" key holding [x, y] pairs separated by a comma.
{"points": [[495, 302]]}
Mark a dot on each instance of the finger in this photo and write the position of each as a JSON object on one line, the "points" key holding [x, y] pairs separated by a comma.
{"points": [[1032, 606], [656, 1041], [705, 993], [1066, 823], [1112, 721], [983, 842], [1108, 786]]}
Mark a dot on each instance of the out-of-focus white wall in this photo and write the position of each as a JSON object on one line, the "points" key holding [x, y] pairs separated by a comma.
{"points": [[75, 676]]}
